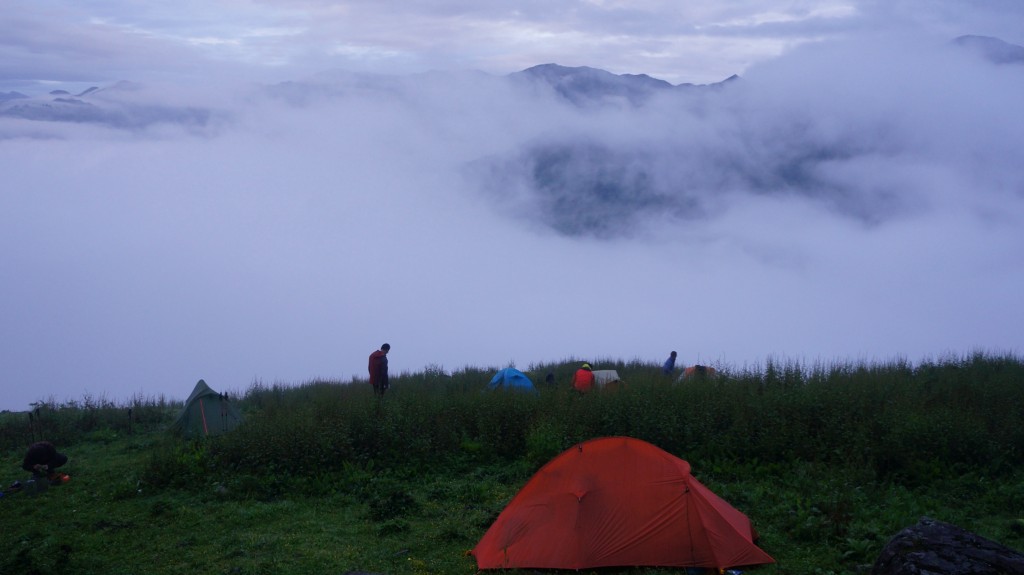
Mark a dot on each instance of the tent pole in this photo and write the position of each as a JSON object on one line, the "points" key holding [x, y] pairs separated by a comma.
{"points": [[202, 412]]}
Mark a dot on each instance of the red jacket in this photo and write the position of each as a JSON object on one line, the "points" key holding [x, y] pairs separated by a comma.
{"points": [[583, 381], [378, 368]]}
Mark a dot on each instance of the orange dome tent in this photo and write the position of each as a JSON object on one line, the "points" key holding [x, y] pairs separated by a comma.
{"points": [[613, 502], [698, 371]]}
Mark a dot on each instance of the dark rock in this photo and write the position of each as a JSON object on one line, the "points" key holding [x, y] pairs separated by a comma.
{"points": [[934, 547]]}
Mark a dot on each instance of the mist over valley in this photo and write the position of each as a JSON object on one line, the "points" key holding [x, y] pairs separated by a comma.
{"points": [[856, 199]]}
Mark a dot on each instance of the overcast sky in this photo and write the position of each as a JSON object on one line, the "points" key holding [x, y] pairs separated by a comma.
{"points": [[859, 196], [94, 41]]}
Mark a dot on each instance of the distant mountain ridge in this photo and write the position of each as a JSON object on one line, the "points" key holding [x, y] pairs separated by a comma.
{"points": [[5, 96], [992, 49], [582, 85], [578, 185], [574, 182], [103, 106]]}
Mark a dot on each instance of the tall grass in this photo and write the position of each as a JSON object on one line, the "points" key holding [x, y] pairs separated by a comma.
{"points": [[828, 460], [89, 419], [887, 421], [891, 421]]}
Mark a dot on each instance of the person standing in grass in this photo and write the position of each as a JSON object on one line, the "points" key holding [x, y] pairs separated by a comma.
{"points": [[670, 364], [379, 370], [583, 379], [42, 460]]}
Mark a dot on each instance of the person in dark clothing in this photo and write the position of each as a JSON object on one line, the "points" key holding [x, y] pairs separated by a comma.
{"points": [[42, 459], [670, 364], [379, 370]]}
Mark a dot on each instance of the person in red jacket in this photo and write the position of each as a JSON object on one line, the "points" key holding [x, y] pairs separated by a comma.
{"points": [[379, 370], [583, 379]]}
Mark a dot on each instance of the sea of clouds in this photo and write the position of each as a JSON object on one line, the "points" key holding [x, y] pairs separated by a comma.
{"points": [[850, 201]]}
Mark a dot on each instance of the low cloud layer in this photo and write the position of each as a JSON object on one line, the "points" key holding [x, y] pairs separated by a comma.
{"points": [[855, 200]]}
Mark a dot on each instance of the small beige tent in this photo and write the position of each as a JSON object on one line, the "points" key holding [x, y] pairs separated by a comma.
{"points": [[604, 377]]}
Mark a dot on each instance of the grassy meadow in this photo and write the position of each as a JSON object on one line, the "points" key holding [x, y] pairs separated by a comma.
{"points": [[828, 460]]}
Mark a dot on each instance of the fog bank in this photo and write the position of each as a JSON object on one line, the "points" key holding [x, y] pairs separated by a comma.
{"points": [[858, 200]]}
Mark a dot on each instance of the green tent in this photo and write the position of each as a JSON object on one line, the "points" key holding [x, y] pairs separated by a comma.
{"points": [[206, 412]]}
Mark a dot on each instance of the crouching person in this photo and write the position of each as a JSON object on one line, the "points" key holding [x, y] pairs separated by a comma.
{"points": [[42, 460]]}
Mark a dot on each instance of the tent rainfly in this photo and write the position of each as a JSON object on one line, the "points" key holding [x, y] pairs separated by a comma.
{"points": [[697, 371], [615, 502], [206, 413], [512, 379], [604, 377]]}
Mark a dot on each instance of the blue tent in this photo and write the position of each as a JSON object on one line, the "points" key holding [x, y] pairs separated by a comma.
{"points": [[511, 378]]}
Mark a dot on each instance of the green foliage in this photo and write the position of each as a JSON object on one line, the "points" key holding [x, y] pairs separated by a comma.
{"points": [[391, 502], [89, 419], [891, 421], [828, 460], [176, 464]]}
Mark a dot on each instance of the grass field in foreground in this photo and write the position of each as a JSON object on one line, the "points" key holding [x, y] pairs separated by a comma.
{"points": [[146, 503]]}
